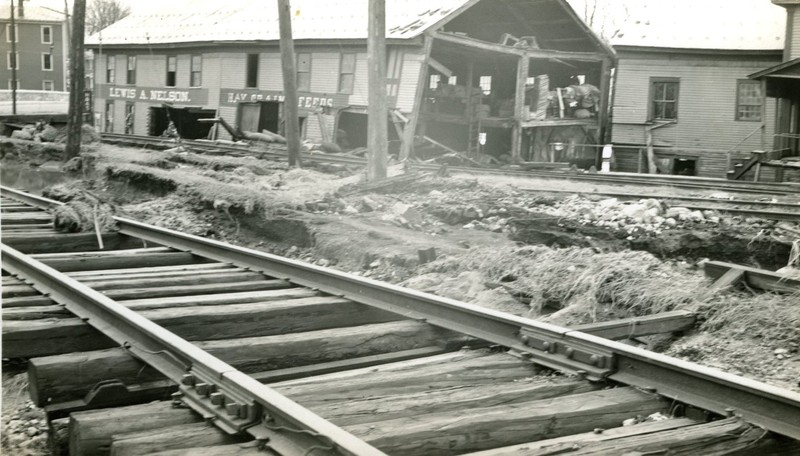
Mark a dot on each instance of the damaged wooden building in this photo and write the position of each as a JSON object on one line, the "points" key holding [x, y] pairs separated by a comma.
{"points": [[505, 80]]}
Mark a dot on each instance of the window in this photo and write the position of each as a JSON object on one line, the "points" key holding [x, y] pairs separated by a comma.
{"points": [[251, 71], [347, 70], [48, 85], [749, 100], [129, 116], [47, 34], [8, 33], [111, 69], [10, 85], [433, 81], [131, 73], [47, 61], [664, 98], [304, 72], [486, 84], [197, 71], [109, 120], [452, 80], [172, 70], [12, 60]]}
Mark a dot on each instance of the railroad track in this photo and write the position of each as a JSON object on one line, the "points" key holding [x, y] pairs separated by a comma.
{"points": [[278, 152], [259, 354]]}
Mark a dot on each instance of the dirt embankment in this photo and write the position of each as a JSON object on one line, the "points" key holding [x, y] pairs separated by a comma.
{"points": [[565, 259]]}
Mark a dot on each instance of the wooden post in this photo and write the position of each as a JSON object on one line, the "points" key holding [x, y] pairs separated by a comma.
{"points": [[652, 167], [76, 96], [411, 126], [377, 114], [764, 114], [519, 109], [290, 114], [13, 36], [602, 115]]}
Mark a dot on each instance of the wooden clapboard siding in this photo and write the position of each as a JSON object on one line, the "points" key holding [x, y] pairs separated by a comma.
{"points": [[233, 74], [793, 32], [706, 125], [183, 73], [360, 92], [412, 65], [270, 75], [325, 72]]}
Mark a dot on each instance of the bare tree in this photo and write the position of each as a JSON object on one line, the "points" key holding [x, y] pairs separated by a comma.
{"points": [[605, 17], [102, 13]]}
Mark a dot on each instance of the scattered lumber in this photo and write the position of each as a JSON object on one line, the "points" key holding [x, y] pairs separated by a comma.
{"points": [[753, 277], [628, 328]]}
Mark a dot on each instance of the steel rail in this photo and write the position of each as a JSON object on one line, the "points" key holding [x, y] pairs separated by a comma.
{"points": [[232, 400], [32, 200], [773, 408]]}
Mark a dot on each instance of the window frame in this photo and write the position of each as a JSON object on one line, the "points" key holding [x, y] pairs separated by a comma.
{"points": [[8, 33], [9, 85], [174, 72], [41, 33], [130, 73], [347, 87], [198, 72], [651, 101], [251, 68], [306, 86], [16, 61], [111, 69], [736, 114], [52, 84], [47, 56]]}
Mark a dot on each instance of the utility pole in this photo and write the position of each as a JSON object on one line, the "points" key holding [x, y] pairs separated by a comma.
{"points": [[377, 114], [75, 117], [16, 62], [290, 114]]}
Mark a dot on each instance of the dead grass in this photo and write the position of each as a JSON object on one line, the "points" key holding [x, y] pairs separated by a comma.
{"points": [[772, 318], [591, 284]]}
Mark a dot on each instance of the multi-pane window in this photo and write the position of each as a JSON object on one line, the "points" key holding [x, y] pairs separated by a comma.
{"points": [[433, 81], [47, 61], [9, 33], [131, 73], [172, 70], [12, 60], [197, 71], [664, 99], [304, 72], [47, 34], [749, 100], [347, 70], [252, 71], [485, 83], [48, 85], [111, 69]]}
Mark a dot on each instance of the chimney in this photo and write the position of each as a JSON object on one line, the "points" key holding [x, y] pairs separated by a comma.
{"points": [[791, 49]]}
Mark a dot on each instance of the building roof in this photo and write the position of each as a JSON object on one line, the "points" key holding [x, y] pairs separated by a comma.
{"points": [[246, 20], [32, 13], [756, 25]]}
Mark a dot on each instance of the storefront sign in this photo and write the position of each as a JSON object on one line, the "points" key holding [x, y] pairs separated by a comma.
{"points": [[305, 100], [197, 97]]}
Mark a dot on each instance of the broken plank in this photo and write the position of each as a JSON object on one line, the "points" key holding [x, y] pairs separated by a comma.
{"points": [[731, 278], [756, 278], [70, 376], [628, 328]]}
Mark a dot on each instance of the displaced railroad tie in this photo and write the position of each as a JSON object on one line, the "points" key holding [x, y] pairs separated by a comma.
{"points": [[729, 274], [352, 366]]}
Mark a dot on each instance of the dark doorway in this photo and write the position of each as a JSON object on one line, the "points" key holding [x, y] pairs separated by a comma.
{"points": [[351, 132], [684, 166], [185, 120], [265, 115]]}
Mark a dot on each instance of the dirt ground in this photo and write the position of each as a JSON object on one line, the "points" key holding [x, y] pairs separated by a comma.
{"points": [[503, 243]]}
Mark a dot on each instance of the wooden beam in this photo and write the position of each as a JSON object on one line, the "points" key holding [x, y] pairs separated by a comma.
{"points": [[289, 66], [122, 259], [439, 67], [731, 278], [520, 114], [531, 53], [756, 278], [194, 435], [407, 145], [71, 376], [628, 328]]}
